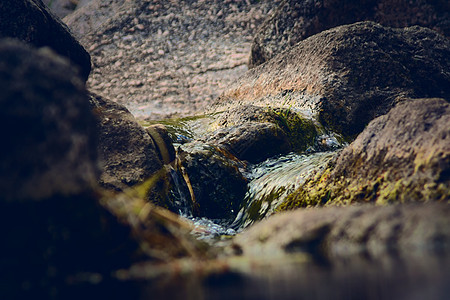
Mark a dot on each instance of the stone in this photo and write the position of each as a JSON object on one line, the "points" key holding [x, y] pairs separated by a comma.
{"points": [[62, 8], [348, 75], [52, 223], [254, 133], [127, 153], [252, 141], [337, 234], [403, 156], [182, 53], [47, 126], [217, 186], [295, 21], [32, 22]]}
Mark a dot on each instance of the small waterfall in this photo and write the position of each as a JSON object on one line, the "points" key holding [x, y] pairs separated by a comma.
{"points": [[180, 201], [273, 180]]}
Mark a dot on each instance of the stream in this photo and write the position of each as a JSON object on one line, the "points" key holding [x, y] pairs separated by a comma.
{"points": [[413, 277]]}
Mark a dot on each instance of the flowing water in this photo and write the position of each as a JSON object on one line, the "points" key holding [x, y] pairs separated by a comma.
{"points": [[270, 181]]}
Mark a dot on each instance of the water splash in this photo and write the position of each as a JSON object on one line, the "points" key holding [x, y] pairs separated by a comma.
{"points": [[273, 180]]}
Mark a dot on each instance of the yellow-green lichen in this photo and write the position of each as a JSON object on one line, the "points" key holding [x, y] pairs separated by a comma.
{"points": [[300, 131]]}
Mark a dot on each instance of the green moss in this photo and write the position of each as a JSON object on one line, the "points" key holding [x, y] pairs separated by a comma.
{"points": [[301, 132]]}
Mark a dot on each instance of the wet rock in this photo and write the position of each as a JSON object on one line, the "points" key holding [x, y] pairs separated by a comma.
{"points": [[348, 75], [295, 21], [163, 142], [336, 233], [400, 157], [127, 152], [252, 141], [31, 22], [217, 185], [254, 134]]}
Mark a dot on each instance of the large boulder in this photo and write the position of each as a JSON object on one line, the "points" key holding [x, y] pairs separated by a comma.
{"points": [[400, 157], [295, 21], [51, 222], [60, 232], [166, 58], [348, 75], [46, 124], [128, 154], [32, 22]]}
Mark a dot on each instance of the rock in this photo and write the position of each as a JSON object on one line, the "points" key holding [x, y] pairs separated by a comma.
{"points": [[127, 152], [339, 233], [161, 138], [60, 232], [165, 59], [46, 125], [217, 185], [400, 157], [252, 141], [348, 75], [295, 21], [51, 222], [254, 134], [31, 22]]}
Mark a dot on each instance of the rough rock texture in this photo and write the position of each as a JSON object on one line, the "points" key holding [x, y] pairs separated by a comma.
{"points": [[217, 184], [402, 156], [46, 125], [31, 22], [347, 232], [254, 134], [295, 20], [127, 153], [252, 141], [164, 58], [349, 75]]}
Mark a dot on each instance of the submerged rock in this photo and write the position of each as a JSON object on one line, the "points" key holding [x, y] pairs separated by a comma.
{"points": [[348, 75], [400, 157], [127, 152], [31, 22], [295, 20]]}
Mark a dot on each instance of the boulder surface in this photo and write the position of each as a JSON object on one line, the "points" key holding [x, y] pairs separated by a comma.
{"points": [[294, 21]]}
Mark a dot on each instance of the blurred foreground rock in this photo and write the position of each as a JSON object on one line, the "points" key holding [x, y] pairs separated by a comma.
{"points": [[31, 22], [58, 227], [358, 232]]}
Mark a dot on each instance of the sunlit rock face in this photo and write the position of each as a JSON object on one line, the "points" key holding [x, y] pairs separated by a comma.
{"points": [[295, 21], [348, 75]]}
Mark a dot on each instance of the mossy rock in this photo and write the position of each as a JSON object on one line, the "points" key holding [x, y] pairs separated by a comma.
{"points": [[403, 156]]}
